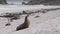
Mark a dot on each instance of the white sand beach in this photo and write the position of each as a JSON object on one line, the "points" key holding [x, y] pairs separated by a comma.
{"points": [[46, 23]]}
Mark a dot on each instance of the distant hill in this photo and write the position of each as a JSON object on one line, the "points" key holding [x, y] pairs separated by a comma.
{"points": [[46, 2]]}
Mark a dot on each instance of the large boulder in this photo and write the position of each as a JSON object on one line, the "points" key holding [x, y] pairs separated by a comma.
{"points": [[3, 2]]}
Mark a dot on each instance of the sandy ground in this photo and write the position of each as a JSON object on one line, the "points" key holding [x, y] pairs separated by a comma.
{"points": [[47, 23]]}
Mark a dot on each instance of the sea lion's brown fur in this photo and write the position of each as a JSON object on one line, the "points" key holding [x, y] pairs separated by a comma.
{"points": [[24, 25]]}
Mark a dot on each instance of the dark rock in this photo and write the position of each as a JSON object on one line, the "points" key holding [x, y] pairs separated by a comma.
{"points": [[37, 16], [3, 2], [45, 2], [8, 24]]}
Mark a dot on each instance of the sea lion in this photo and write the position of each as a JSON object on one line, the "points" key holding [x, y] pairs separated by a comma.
{"points": [[25, 24]]}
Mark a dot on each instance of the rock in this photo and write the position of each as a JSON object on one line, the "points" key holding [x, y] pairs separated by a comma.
{"points": [[3, 2], [8, 24], [45, 2]]}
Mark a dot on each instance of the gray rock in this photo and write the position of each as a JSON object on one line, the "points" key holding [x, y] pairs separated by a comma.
{"points": [[45, 2], [3, 2]]}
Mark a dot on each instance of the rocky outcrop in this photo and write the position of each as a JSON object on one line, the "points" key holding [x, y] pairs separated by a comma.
{"points": [[3, 2], [46, 2]]}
